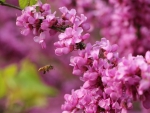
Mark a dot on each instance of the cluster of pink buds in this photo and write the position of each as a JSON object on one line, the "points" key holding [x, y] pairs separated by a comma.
{"points": [[39, 19], [111, 83]]}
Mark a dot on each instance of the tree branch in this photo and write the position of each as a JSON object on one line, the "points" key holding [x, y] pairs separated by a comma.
{"points": [[9, 5]]}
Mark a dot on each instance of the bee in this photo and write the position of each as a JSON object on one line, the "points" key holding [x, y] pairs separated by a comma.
{"points": [[46, 68], [80, 45]]}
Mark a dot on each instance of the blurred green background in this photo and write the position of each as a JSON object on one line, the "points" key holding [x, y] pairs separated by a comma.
{"points": [[21, 87]]}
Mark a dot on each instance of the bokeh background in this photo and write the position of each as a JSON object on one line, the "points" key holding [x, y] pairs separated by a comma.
{"points": [[25, 90]]}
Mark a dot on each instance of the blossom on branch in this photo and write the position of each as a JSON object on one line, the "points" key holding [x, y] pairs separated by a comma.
{"points": [[39, 19], [110, 83]]}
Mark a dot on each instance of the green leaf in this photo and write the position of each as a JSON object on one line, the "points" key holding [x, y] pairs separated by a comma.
{"points": [[10, 70], [30, 85], [2, 85], [33, 2], [7, 77], [2, 0], [22, 82], [9, 74], [24, 3]]}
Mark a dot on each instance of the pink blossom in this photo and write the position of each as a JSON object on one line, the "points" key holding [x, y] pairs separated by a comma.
{"points": [[40, 39], [70, 15], [37, 21], [147, 57]]}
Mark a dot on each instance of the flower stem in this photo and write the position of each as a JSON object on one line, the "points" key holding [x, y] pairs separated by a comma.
{"points": [[9, 5]]}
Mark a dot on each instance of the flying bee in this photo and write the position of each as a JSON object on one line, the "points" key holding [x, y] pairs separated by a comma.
{"points": [[46, 68]]}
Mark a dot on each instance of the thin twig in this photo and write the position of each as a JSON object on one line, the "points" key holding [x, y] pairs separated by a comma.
{"points": [[9, 5]]}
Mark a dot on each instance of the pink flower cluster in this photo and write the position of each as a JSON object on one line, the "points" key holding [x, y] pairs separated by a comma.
{"points": [[134, 73], [130, 26], [111, 83], [36, 18], [124, 22], [39, 19], [97, 11], [72, 36]]}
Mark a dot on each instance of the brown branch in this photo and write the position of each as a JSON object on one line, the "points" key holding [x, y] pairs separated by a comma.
{"points": [[9, 5]]}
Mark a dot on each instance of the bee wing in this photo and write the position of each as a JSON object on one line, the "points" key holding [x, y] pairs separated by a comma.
{"points": [[40, 69]]}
